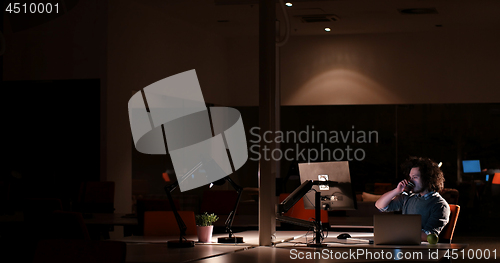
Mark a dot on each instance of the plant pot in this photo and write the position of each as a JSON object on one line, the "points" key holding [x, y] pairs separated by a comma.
{"points": [[205, 233]]}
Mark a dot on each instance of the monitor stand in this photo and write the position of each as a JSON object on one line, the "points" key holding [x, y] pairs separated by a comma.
{"points": [[318, 229]]}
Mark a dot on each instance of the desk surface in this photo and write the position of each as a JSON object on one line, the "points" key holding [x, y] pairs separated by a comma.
{"points": [[251, 238], [360, 240], [281, 255], [141, 252], [288, 245]]}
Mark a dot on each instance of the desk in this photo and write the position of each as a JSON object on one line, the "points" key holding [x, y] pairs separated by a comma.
{"points": [[333, 241], [285, 249], [251, 238], [141, 252], [154, 249], [282, 255]]}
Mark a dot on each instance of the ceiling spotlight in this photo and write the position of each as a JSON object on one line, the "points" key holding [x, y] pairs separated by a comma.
{"points": [[440, 164], [327, 29], [288, 4]]}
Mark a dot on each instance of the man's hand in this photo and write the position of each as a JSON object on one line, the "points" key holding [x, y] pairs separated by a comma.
{"points": [[386, 198], [423, 236], [401, 186]]}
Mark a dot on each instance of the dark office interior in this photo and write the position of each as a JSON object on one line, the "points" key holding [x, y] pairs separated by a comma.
{"points": [[424, 84]]}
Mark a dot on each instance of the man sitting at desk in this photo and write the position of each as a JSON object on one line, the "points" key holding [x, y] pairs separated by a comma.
{"points": [[424, 199]]}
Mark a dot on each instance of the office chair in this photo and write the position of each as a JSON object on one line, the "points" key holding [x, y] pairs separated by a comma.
{"points": [[163, 223], [450, 195], [144, 205], [447, 234]]}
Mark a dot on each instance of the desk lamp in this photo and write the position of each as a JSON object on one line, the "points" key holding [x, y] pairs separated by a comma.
{"points": [[230, 218], [182, 242]]}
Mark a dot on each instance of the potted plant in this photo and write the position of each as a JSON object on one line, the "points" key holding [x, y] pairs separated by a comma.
{"points": [[204, 226]]}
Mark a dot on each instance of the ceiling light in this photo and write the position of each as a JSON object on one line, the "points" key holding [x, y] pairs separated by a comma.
{"points": [[288, 4], [327, 29], [440, 163]]}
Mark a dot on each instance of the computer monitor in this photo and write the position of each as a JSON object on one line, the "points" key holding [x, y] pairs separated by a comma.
{"points": [[471, 166], [338, 196]]}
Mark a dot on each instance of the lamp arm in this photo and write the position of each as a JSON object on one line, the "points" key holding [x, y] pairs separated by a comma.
{"points": [[233, 184], [180, 222], [230, 218]]}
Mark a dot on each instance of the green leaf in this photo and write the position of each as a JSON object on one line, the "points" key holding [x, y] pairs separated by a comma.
{"points": [[206, 219]]}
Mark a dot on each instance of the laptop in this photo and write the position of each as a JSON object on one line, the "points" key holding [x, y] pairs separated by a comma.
{"points": [[391, 229]]}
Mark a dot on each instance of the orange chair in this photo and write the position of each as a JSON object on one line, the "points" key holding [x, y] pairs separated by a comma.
{"points": [[447, 234], [496, 178], [163, 223], [450, 195], [298, 211], [144, 205], [495, 186]]}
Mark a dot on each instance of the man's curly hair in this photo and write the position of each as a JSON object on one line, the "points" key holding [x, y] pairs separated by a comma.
{"points": [[431, 175]]}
